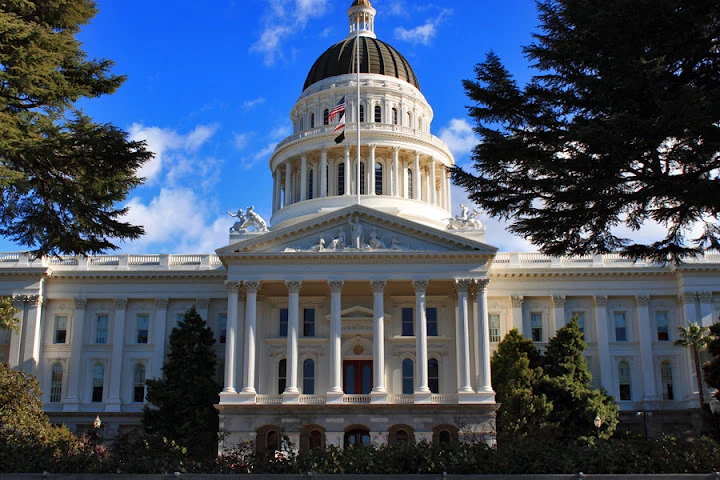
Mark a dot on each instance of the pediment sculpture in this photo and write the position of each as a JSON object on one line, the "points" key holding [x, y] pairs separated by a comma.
{"points": [[247, 220], [466, 221]]}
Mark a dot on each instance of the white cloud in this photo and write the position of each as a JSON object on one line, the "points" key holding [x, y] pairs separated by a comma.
{"points": [[423, 34], [285, 19], [281, 132], [241, 140], [459, 137], [248, 104]]}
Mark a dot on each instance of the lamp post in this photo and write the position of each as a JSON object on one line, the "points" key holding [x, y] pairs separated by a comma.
{"points": [[598, 423], [97, 423], [644, 416]]}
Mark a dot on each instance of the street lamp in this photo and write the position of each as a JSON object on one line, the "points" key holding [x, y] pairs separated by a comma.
{"points": [[97, 423], [644, 416], [598, 423], [715, 409]]}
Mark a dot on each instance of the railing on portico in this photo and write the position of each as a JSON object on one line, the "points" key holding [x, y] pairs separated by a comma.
{"points": [[443, 399], [312, 399], [401, 399], [268, 399], [356, 399]]}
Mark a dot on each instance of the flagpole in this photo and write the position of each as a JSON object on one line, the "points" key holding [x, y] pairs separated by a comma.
{"points": [[357, 42]]}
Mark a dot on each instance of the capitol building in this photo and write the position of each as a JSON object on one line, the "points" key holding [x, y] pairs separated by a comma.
{"points": [[363, 310]]}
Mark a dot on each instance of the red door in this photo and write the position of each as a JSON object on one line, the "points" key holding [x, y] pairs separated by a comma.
{"points": [[357, 376]]}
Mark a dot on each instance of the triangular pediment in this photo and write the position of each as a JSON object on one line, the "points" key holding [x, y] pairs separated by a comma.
{"points": [[357, 230], [357, 312]]}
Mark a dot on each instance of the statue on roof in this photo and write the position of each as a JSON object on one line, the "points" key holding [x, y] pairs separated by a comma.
{"points": [[248, 219]]}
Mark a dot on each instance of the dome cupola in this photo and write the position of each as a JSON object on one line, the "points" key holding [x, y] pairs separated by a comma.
{"points": [[362, 19]]}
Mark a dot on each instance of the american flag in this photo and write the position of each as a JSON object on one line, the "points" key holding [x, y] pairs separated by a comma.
{"points": [[341, 123], [339, 108]]}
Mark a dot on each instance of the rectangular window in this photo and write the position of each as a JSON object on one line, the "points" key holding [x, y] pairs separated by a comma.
{"points": [[620, 327], [432, 325], [536, 327], [494, 328], [407, 322], [624, 381], [222, 333], [580, 316], [60, 329], [663, 331], [283, 322], [143, 322], [101, 329], [309, 322]]}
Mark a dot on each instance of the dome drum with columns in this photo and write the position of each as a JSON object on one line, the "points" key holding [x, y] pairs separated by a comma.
{"points": [[353, 318]]}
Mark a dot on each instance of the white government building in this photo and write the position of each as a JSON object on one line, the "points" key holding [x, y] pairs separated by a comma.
{"points": [[355, 317]]}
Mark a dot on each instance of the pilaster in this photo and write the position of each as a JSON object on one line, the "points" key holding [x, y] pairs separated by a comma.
{"points": [[335, 392], [422, 391], [116, 364], [379, 392]]}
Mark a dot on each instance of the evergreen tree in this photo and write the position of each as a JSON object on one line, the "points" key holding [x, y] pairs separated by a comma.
{"points": [[711, 369], [181, 404], [618, 126], [61, 174], [567, 383], [7, 315], [516, 370], [695, 338]]}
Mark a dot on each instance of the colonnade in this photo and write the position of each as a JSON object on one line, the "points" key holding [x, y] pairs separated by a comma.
{"points": [[379, 389]]}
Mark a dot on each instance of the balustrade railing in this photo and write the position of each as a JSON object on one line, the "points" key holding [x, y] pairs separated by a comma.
{"points": [[356, 399], [443, 399], [268, 399], [312, 399]]}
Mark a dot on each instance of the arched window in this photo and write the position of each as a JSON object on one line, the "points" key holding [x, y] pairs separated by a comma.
{"points": [[56, 377], [445, 434], [312, 437], [667, 381], [326, 115], [311, 180], [398, 434], [394, 116], [272, 441], [362, 112], [410, 183], [312, 120], [409, 119], [98, 382], [362, 179], [378, 114], [408, 382], [378, 179], [315, 439], [268, 440], [282, 375], [302, 123], [624, 381], [341, 179], [357, 435], [309, 377], [433, 375], [139, 383]]}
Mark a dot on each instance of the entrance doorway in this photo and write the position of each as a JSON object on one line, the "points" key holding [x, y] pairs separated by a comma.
{"points": [[357, 378]]}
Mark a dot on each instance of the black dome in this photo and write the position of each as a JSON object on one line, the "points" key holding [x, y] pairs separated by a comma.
{"points": [[376, 57]]}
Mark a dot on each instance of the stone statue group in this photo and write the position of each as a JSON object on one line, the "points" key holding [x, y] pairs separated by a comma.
{"points": [[465, 221], [357, 239], [246, 220]]}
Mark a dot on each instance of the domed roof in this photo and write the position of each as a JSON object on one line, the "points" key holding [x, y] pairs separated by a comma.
{"points": [[365, 3], [376, 57]]}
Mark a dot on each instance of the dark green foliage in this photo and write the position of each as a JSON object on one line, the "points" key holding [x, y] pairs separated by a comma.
{"points": [[548, 396], [695, 338], [181, 404], [7, 315], [618, 126], [61, 174], [711, 369]]}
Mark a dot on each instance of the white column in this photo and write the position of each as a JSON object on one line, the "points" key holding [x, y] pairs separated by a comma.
{"points": [[33, 333], [276, 191], [303, 177], [646, 356], [158, 355], [558, 311], [433, 190], [348, 170], [416, 177], [288, 183], [371, 169], [603, 343], [446, 187], [378, 287], [115, 380], [14, 360], [202, 306], [336, 287], [484, 380], [689, 308], [323, 173], [706, 310], [232, 289], [251, 291], [421, 367], [292, 342], [463, 336], [517, 316], [396, 172], [72, 400]]}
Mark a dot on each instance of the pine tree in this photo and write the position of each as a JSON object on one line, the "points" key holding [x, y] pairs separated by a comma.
{"points": [[711, 369], [61, 174], [618, 126], [181, 404]]}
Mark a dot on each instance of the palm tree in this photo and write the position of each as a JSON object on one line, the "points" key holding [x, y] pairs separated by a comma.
{"points": [[695, 338], [7, 315]]}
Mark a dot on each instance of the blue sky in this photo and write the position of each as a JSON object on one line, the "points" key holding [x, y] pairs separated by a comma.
{"points": [[211, 84]]}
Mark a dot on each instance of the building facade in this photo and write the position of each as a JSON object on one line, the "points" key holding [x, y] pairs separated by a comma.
{"points": [[366, 312]]}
